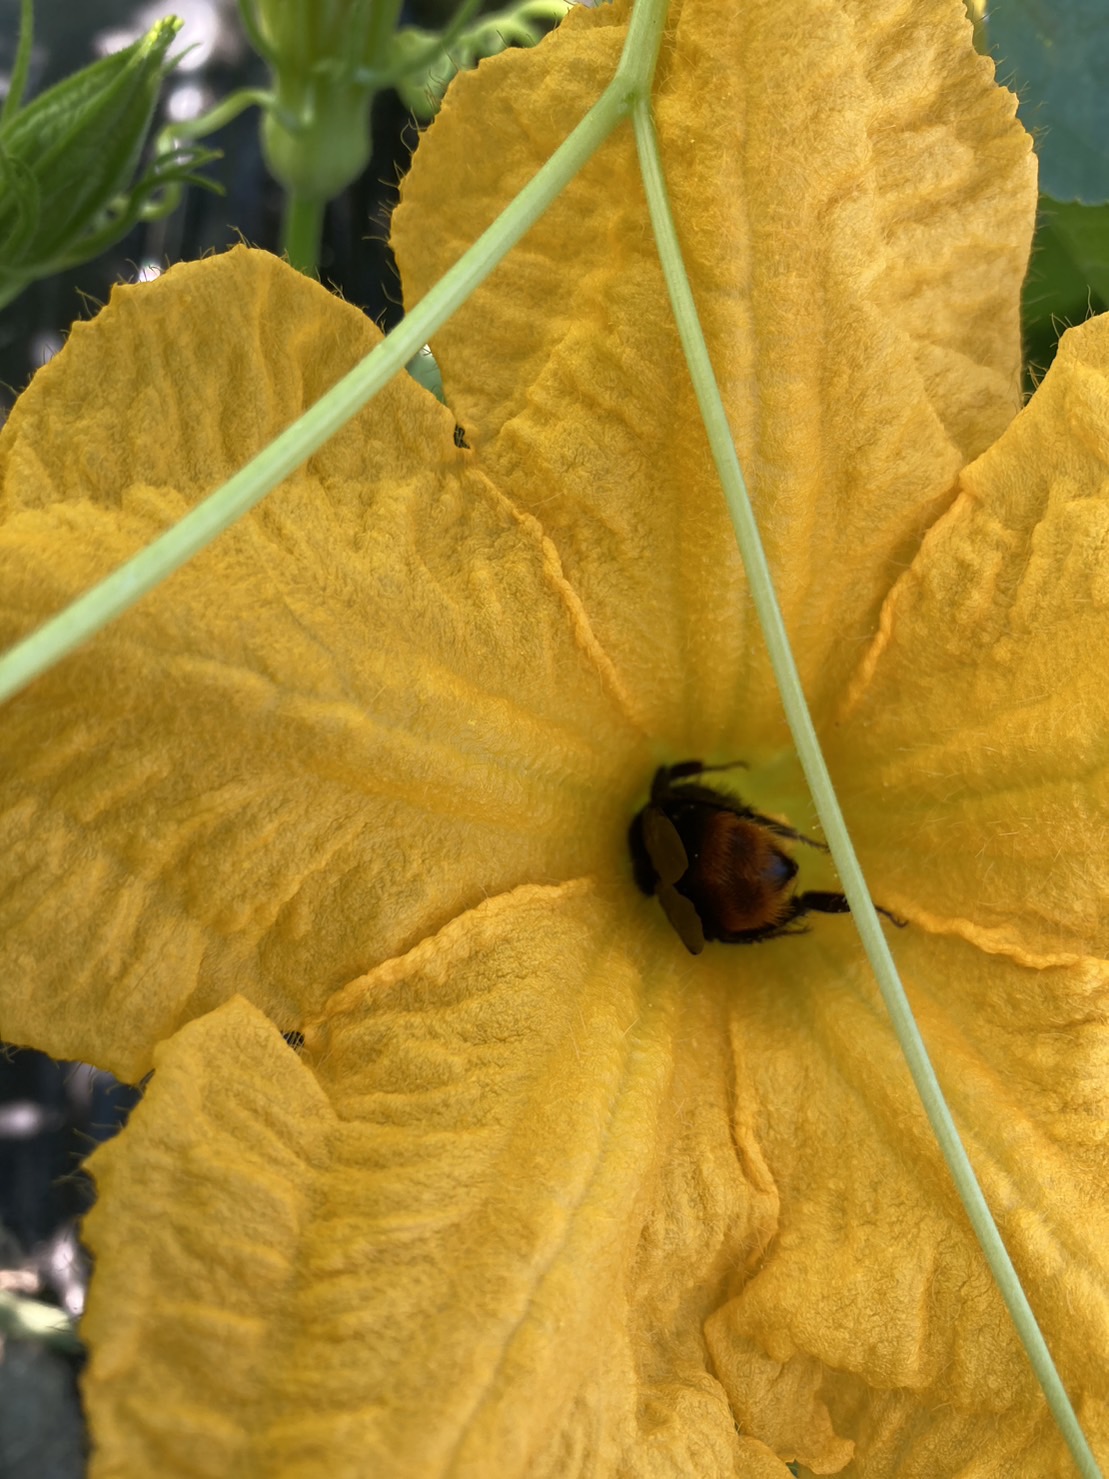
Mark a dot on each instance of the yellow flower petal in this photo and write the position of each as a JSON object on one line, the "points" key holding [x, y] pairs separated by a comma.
{"points": [[477, 1225], [978, 721], [872, 1314], [856, 202], [202, 1203], [372, 703]]}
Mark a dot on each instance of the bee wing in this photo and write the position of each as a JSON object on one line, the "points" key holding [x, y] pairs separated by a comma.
{"points": [[664, 846], [684, 917]]}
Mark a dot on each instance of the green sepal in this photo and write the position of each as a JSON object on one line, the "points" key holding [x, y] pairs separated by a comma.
{"points": [[68, 158]]}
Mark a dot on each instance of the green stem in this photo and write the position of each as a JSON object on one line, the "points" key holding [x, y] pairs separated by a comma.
{"points": [[763, 594], [131, 581], [225, 110], [22, 62], [302, 232], [383, 17]]}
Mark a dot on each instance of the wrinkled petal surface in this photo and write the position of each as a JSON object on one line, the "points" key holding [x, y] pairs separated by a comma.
{"points": [[475, 1228], [981, 710], [371, 703], [855, 201], [872, 1316]]}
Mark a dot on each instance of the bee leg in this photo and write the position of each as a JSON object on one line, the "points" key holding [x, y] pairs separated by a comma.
{"points": [[819, 901], [781, 830], [685, 768]]}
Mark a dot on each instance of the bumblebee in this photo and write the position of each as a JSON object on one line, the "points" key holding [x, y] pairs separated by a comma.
{"points": [[718, 867]]}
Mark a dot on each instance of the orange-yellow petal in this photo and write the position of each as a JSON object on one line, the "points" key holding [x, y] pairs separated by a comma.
{"points": [[972, 744], [871, 1321], [476, 1227], [373, 702], [855, 201]]}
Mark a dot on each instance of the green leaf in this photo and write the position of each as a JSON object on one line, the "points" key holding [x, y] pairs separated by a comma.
{"points": [[1084, 233], [1055, 55], [1068, 277]]}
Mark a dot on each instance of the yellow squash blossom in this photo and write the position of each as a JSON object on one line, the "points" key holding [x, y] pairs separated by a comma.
{"points": [[542, 1194]]}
